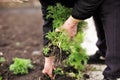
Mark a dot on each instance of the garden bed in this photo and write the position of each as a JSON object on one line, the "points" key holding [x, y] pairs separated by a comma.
{"points": [[21, 36]]}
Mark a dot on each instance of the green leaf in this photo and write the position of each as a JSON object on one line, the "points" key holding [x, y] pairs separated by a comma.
{"points": [[2, 59], [0, 77], [46, 51]]}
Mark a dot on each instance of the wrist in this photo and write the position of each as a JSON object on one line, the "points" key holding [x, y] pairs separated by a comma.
{"points": [[74, 19], [51, 58]]}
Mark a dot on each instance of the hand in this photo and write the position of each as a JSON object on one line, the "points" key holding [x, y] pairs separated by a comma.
{"points": [[49, 66], [70, 26], [20, 1]]}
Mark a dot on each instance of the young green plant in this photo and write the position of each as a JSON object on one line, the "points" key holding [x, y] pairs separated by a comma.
{"points": [[0, 77], [20, 66], [2, 60], [77, 57]]}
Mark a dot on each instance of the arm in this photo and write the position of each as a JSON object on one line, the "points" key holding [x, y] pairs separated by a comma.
{"points": [[83, 9]]}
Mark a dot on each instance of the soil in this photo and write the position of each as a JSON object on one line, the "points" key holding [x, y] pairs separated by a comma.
{"points": [[21, 36]]}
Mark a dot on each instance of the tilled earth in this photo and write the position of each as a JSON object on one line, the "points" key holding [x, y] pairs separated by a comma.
{"points": [[21, 36]]}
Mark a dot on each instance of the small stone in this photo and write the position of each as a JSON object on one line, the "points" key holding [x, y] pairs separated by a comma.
{"points": [[1, 54], [36, 53]]}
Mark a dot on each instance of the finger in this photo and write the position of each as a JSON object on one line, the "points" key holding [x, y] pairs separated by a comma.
{"points": [[57, 30], [49, 74]]}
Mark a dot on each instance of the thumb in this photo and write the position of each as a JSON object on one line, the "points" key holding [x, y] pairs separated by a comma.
{"points": [[57, 30]]}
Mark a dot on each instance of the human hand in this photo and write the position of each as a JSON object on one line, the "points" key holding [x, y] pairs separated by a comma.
{"points": [[20, 1], [70, 27], [49, 66]]}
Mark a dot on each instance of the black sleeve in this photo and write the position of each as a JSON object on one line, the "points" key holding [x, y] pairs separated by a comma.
{"points": [[84, 9], [48, 2], [67, 3]]}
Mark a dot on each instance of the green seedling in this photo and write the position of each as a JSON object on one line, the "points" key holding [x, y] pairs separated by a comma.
{"points": [[58, 71], [2, 59], [20, 66], [0, 77]]}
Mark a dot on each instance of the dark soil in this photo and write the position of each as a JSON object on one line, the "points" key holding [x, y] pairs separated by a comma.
{"points": [[21, 36]]}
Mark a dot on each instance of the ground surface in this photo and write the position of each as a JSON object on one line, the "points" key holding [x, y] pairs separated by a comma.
{"points": [[21, 36]]}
